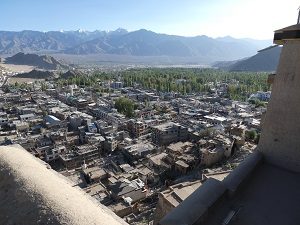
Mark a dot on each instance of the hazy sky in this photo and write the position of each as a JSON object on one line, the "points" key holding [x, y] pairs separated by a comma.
{"points": [[238, 18]]}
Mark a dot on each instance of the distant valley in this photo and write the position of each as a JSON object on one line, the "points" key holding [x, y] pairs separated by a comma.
{"points": [[265, 60]]}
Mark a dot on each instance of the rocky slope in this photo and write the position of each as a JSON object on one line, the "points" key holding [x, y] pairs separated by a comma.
{"points": [[40, 61], [266, 60], [38, 74]]}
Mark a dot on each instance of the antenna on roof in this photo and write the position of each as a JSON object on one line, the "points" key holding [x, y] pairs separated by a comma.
{"points": [[298, 20]]}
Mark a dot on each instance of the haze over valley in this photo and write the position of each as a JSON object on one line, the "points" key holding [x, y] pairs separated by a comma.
{"points": [[121, 46]]}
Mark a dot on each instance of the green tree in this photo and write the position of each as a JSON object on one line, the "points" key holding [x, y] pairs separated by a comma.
{"points": [[251, 135], [125, 106]]}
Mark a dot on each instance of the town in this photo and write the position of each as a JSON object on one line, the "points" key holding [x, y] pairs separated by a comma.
{"points": [[138, 150]]}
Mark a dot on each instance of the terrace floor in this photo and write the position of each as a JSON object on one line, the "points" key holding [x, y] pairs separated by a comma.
{"points": [[271, 197]]}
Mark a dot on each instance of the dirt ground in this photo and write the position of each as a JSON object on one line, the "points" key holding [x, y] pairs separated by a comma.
{"points": [[17, 68]]}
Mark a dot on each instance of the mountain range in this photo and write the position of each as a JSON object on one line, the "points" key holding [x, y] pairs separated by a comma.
{"points": [[121, 42]]}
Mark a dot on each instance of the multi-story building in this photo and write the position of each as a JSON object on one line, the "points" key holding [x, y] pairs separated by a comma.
{"points": [[167, 133], [116, 85], [83, 154], [53, 154], [138, 150], [136, 128]]}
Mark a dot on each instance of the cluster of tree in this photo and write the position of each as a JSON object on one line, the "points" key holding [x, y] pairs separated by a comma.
{"points": [[125, 106], [252, 135], [257, 102], [186, 80], [85, 79], [29, 86], [22, 85], [182, 80]]}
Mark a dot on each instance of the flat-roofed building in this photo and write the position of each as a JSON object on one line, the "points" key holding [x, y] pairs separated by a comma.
{"points": [[138, 150], [53, 153], [172, 197], [167, 133], [83, 154], [137, 128], [26, 117]]}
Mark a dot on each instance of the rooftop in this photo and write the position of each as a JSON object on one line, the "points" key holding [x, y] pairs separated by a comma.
{"points": [[287, 33], [217, 175], [175, 194], [181, 163], [180, 146], [156, 159], [166, 126], [216, 118]]}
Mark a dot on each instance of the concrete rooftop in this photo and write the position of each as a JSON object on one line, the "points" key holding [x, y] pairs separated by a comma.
{"points": [[264, 200]]}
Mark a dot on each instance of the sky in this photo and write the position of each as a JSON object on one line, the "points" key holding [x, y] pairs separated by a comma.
{"points": [[215, 18]]}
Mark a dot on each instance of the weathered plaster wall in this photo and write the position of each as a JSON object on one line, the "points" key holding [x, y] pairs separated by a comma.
{"points": [[280, 142]]}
